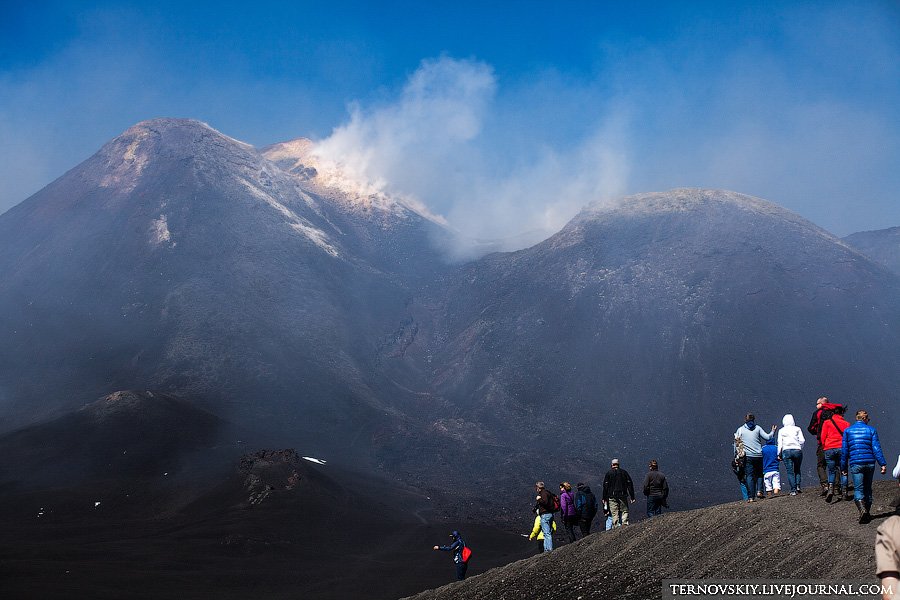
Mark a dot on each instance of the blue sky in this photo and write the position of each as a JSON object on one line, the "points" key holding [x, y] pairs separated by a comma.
{"points": [[504, 117]]}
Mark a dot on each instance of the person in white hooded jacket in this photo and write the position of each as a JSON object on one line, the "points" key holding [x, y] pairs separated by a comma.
{"points": [[790, 449]]}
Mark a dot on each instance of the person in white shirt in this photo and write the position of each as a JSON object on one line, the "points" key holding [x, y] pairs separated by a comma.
{"points": [[790, 450]]}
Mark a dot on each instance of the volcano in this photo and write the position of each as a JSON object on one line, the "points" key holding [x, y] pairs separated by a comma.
{"points": [[314, 311]]}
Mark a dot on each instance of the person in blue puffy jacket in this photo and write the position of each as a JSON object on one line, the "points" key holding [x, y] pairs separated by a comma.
{"points": [[859, 453]]}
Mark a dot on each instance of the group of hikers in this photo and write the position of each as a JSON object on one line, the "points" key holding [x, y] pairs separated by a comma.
{"points": [[580, 507], [846, 455]]}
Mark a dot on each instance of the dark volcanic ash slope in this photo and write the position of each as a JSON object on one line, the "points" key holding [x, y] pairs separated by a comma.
{"points": [[648, 328], [179, 259], [99, 522], [784, 538], [127, 434], [882, 246]]}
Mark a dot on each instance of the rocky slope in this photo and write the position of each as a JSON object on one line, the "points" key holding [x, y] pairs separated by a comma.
{"points": [[784, 538], [313, 310], [882, 246], [112, 523], [647, 328]]}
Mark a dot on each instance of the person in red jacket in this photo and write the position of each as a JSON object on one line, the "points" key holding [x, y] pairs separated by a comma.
{"points": [[832, 436]]}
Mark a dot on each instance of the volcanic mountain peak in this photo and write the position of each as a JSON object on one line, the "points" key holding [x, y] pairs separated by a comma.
{"points": [[144, 405], [330, 178], [128, 154], [683, 200], [717, 216]]}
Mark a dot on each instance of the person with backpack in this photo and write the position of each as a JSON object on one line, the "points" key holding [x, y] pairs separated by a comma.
{"points": [[831, 432], [737, 467], [656, 489], [536, 532], [752, 437], [546, 505], [860, 451], [461, 553], [567, 509], [585, 507], [790, 450], [617, 490]]}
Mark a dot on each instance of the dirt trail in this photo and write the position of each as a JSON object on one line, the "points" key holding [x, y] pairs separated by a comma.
{"points": [[787, 537]]}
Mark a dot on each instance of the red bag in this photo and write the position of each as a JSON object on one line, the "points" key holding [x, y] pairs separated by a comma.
{"points": [[466, 554]]}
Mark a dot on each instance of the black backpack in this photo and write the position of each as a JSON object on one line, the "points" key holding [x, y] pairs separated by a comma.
{"points": [[586, 505]]}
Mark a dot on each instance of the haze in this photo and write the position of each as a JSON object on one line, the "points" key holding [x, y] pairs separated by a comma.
{"points": [[505, 124]]}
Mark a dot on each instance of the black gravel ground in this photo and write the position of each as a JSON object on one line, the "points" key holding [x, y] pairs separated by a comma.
{"points": [[785, 537]]}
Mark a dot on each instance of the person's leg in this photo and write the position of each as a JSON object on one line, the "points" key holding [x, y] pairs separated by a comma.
{"points": [[744, 493], [868, 476], [585, 527], [798, 472], [547, 530], [624, 511], [776, 482], [788, 456], [857, 475], [569, 523], [614, 512], [461, 570], [833, 461], [821, 467], [750, 478]]}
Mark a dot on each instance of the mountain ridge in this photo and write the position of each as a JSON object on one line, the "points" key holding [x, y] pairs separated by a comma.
{"points": [[202, 268]]}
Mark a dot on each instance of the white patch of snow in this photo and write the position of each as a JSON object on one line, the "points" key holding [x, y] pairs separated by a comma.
{"points": [[159, 232], [126, 173], [318, 461], [297, 223]]}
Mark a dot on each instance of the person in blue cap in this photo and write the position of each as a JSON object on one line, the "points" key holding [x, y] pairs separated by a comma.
{"points": [[456, 547]]}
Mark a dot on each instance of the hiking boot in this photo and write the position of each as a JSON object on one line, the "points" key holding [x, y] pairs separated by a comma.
{"points": [[847, 495], [866, 516], [824, 489], [829, 493], [799, 490], [838, 494]]}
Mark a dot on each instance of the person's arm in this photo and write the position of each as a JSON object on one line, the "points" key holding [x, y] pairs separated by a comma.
{"points": [[876, 448], [647, 485], [780, 442], [630, 485], [764, 435], [845, 452], [665, 489]]}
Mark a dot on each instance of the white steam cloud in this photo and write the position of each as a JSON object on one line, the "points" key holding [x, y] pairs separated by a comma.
{"points": [[431, 145]]}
